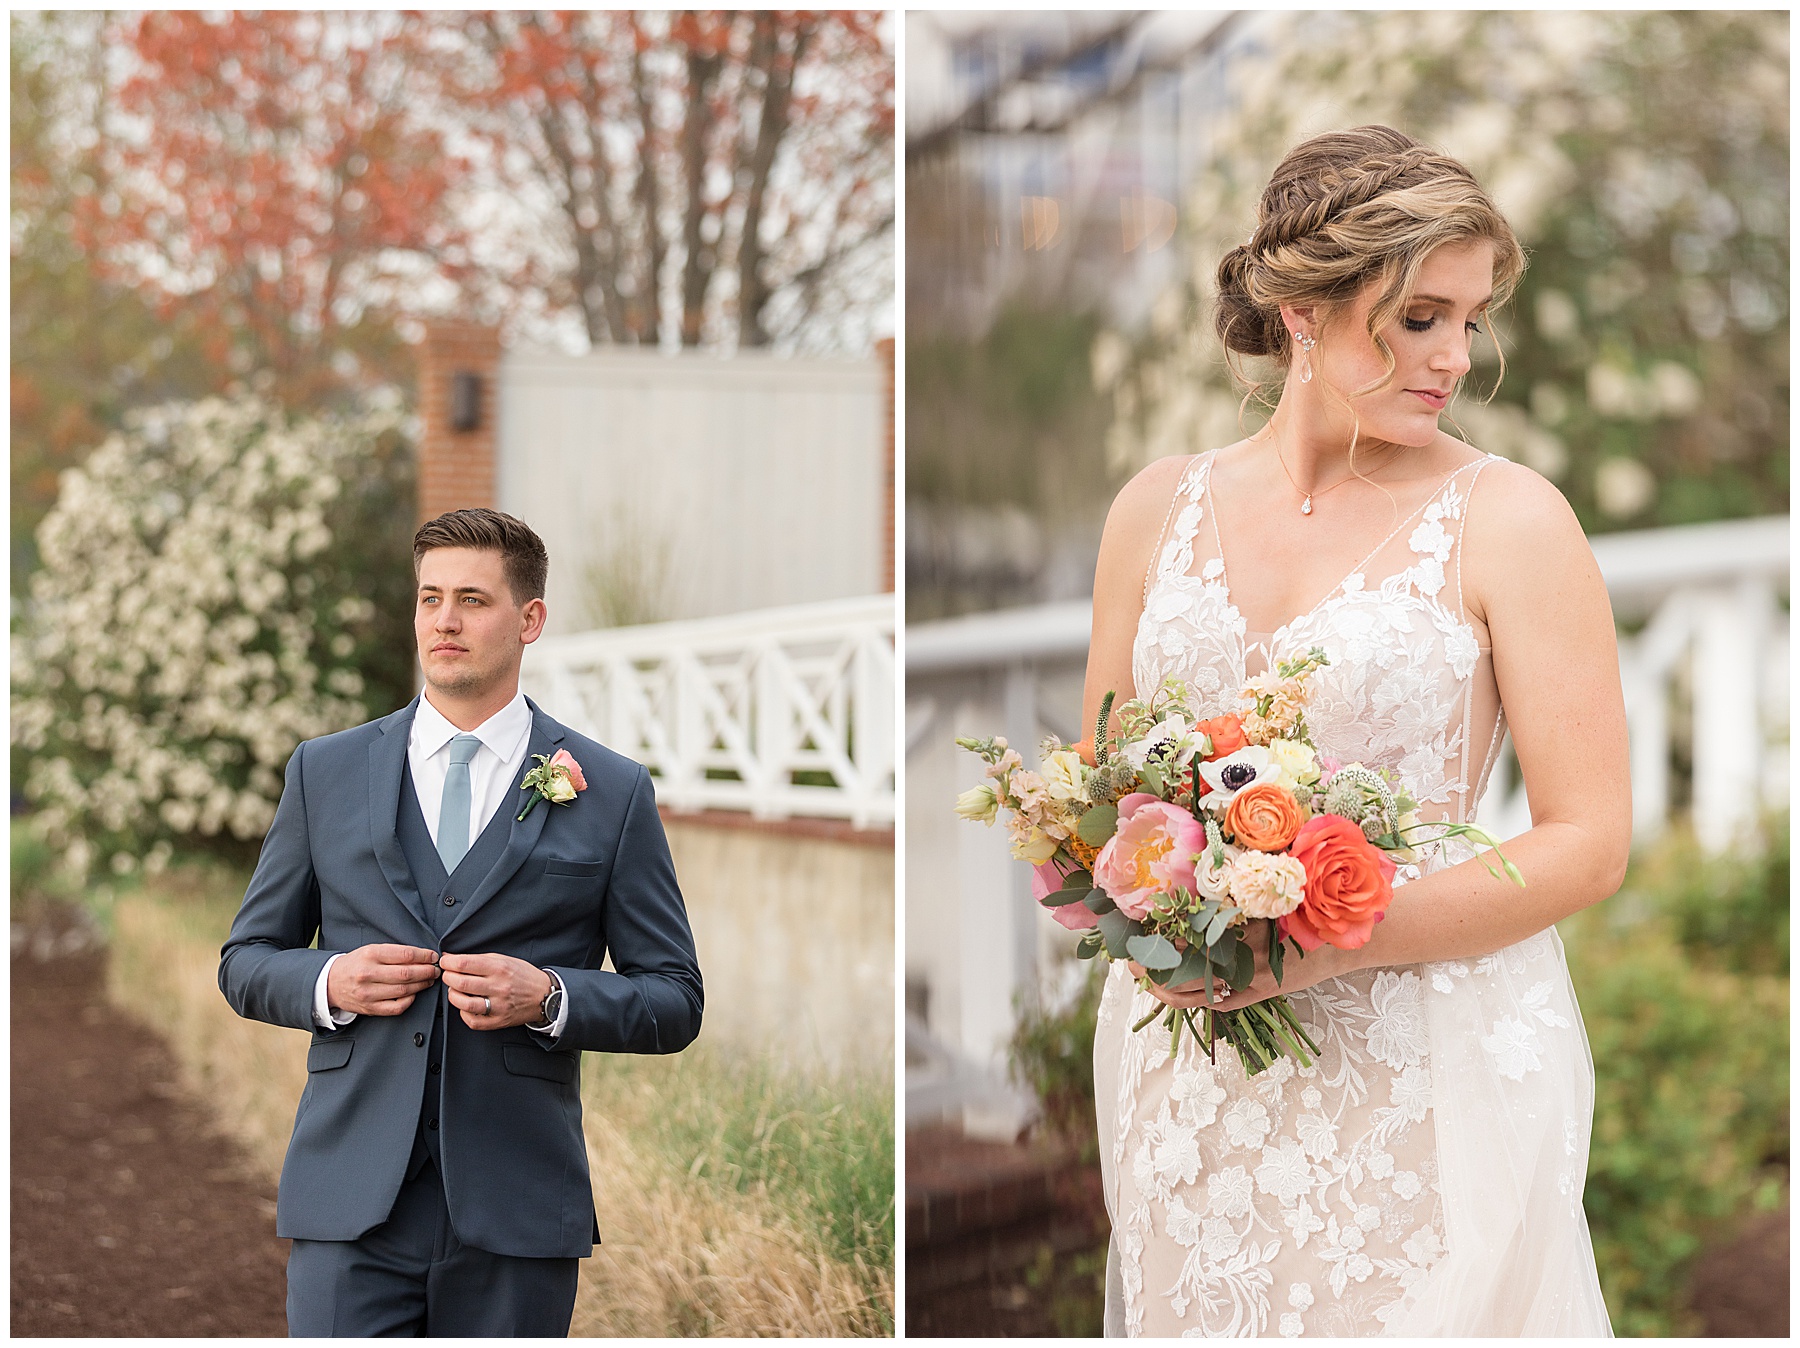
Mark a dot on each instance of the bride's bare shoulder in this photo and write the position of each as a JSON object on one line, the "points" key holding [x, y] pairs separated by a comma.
{"points": [[1135, 522], [1521, 535], [1150, 487], [1513, 506]]}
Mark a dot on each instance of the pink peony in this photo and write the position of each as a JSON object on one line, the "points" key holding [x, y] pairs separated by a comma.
{"points": [[1151, 854], [1046, 879], [563, 758]]}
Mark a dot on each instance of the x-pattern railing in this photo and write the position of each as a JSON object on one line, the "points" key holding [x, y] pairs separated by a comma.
{"points": [[780, 712]]}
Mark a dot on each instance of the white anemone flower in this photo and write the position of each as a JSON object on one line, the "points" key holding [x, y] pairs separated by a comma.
{"points": [[1231, 774], [1171, 740]]}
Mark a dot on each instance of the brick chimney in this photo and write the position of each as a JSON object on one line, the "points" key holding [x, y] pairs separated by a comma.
{"points": [[458, 364], [885, 349]]}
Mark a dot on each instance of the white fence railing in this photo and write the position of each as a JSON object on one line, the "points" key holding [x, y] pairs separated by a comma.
{"points": [[779, 712], [1703, 656]]}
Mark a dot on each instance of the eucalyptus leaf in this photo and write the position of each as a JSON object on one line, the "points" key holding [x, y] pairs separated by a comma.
{"points": [[1246, 967], [1201, 917], [1078, 879], [1098, 901], [1059, 898], [1116, 929], [1221, 920], [1089, 948], [1154, 951], [1193, 966], [1097, 825]]}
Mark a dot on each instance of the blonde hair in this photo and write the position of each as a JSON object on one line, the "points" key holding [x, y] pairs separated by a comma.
{"points": [[1343, 210]]}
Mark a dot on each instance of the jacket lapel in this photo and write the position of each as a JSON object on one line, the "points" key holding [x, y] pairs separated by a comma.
{"points": [[387, 760], [545, 736]]}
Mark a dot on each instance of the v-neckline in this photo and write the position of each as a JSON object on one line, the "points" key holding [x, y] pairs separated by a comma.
{"points": [[1212, 512]]}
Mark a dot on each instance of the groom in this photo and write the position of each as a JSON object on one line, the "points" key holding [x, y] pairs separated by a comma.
{"points": [[437, 1179]]}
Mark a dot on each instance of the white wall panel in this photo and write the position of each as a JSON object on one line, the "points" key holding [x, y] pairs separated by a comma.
{"points": [[761, 476]]}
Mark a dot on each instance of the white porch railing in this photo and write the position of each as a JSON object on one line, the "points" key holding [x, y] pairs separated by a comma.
{"points": [[779, 712], [1703, 661], [1713, 636]]}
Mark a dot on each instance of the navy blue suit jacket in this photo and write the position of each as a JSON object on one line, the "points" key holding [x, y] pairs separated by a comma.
{"points": [[575, 883]]}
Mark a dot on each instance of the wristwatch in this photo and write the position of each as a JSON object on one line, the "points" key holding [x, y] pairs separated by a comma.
{"points": [[552, 1004]]}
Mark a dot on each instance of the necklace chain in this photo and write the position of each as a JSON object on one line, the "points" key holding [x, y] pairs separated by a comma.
{"points": [[1306, 505]]}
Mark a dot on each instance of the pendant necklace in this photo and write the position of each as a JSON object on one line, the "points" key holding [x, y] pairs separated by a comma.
{"points": [[1306, 505]]}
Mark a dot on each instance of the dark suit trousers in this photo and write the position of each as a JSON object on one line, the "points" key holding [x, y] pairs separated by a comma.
{"points": [[411, 1278]]}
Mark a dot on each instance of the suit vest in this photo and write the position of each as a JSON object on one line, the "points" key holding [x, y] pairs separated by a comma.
{"points": [[441, 892]]}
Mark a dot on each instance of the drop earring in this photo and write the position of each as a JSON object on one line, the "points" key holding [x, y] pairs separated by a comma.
{"points": [[1306, 346]]}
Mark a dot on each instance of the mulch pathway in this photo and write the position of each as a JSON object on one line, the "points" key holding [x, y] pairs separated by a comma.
{"points": [[131, 1215]]}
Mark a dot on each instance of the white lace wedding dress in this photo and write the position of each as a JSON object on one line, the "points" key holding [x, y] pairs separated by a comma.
{"points": [[1424, 1176]]}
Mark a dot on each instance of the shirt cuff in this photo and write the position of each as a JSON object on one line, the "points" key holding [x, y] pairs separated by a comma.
{"points": [[323, 1015], [555, 1028]]}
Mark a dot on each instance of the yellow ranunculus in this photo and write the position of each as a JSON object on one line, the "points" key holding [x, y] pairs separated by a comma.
{"points": [[1063, 772], [1295, 762]]}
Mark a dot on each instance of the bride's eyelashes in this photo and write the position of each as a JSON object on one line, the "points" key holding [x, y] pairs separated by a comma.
{"points": [[1426, 325]]}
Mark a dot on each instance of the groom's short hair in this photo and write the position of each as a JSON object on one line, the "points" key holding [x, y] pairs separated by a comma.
{"points": [[521, 550]]}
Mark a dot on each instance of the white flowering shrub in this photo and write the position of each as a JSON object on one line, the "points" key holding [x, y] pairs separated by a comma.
{"points": [[220, 581]]}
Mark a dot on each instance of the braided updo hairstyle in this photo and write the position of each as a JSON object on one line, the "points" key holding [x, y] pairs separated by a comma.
{"points": [[1345, 209]]}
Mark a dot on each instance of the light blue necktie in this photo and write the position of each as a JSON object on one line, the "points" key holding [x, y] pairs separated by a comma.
{"points": [[453, 813]]}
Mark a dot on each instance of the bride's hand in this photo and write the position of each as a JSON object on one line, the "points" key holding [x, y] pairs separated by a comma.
{"points": [[1296, 973]]}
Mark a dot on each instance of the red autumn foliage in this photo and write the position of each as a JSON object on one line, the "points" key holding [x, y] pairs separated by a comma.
{"points": [[279, 179]]}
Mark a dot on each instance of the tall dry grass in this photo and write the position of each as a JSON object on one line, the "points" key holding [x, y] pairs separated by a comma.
{"points": [[691, 1245]]}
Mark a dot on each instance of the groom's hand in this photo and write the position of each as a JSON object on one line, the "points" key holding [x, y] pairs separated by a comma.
{"points": [[380, 980], [494, 991]]}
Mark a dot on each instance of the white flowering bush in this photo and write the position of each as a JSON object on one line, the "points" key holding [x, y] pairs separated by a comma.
{"points": [[219, 583]]}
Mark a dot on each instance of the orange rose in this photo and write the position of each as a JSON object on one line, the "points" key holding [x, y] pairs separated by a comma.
{"points": [[1226, 733], [1264, 817], [1349, 884]]}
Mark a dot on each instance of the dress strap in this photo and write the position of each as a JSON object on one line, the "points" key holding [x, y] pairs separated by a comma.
{"points": [[1438, 535], [1462, 609], [1174, 552]]}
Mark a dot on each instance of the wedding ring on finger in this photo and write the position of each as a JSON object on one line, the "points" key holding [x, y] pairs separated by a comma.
{"points": [[487, 1007]]}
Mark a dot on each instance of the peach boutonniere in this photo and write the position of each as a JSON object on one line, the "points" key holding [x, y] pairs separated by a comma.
{"points": [[556, 778]]}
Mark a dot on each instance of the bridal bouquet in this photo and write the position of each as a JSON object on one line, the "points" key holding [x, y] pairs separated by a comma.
{"points": [[1186, 831]]}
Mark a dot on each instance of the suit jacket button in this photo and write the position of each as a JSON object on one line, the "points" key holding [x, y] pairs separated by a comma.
{"points": [[432, 1125], [449, 900], [418, 1041], [436, 1067]]}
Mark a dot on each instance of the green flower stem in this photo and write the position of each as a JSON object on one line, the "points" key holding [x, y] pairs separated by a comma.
{"points": [[1279, 1027], [1245, 1042], [1287, 1013]]}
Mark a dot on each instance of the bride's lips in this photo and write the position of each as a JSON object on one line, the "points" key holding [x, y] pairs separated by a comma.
{"points": [[1430, 397]]}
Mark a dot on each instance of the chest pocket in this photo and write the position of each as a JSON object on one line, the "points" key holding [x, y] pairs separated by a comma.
{"points": [[580, 869]]}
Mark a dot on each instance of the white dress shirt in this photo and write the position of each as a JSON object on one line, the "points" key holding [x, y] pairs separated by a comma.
{"points": [[494, 775]]}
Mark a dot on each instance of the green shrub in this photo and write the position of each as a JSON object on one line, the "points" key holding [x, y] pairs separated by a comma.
{"points": [[1053, 1053], [1682, 981]]}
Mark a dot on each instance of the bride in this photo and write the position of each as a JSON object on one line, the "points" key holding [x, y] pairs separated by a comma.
{"points": [[1424, 1176]]}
